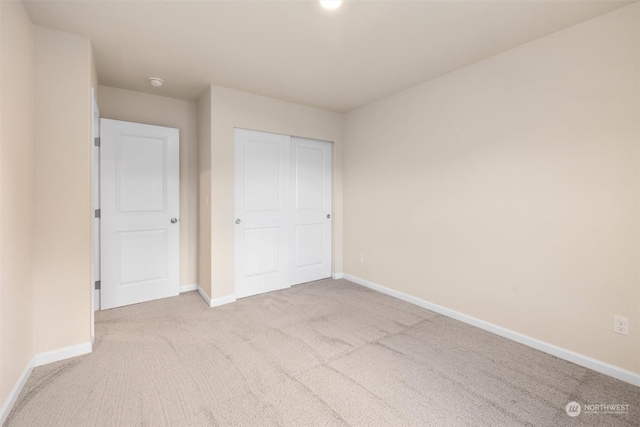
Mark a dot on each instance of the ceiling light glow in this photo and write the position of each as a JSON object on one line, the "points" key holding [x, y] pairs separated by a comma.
{"points": [[331, 4]]}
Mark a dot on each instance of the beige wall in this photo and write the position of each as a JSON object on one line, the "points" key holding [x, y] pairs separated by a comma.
{"points": [[120, 104], [231, 109], [62, 227], [509, 190], [204, 188], [16, 194], [94, 73]]}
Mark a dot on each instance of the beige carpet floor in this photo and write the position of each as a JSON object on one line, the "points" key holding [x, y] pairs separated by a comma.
{"points": [[327, 353]]}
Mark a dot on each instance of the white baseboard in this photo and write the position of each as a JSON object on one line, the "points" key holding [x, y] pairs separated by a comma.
{"points": [[39, 360], [62, 353], [188, 288], [204, 295], [215, 302], [337, 276], [15, 392], [562, 353], [222, 301]]}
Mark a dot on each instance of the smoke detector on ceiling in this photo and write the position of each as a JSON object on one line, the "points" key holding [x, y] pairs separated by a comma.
{"points": [[156, 82]]}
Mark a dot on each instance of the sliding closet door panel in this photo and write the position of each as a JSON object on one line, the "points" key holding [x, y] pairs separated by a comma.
{"points": [[262, 207], [311, 237]]}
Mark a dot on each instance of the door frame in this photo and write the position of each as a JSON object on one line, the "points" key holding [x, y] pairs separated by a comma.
{"points": [[95, 206]]}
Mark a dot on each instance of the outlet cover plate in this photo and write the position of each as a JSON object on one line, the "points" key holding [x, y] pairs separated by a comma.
{"points": [[620, 325]]}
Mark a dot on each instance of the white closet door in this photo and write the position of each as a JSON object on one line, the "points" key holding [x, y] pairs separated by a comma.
{"points": [[263, 218], [139, 166], [311, 240]]}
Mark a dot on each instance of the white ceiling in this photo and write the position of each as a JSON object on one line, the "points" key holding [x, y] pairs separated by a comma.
{"points": [[296, 51]]}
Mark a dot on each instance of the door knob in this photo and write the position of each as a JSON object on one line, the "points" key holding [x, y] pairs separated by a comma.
{"points": [[173, 220], [328, 216], [238, 221]]}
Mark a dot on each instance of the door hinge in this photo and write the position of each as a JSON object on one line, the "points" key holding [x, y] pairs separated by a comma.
{"points": [[97, 284], [97, 213], [96, 142]]}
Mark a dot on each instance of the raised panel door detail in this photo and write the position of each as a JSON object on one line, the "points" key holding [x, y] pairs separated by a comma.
{"points": [[309, 245], [143, 256], [309, 179], [141, 174], [262, 176], [262, 247]]}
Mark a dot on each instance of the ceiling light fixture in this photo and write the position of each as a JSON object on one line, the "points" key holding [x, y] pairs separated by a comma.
{"points": [[331, 4], [156, 82]]}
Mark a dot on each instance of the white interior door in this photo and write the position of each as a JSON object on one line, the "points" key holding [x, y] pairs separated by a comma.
{"points": [[139, 167], [311, 177], [262, 229]]}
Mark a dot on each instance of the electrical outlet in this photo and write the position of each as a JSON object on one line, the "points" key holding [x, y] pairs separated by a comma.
{"points": [[620, 325], [361, 258]]}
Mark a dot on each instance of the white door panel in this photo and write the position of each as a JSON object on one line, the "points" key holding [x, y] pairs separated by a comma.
{"points": [[308, 251], [142, 185], [311, 177], [139, 201], [262, 230]]}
